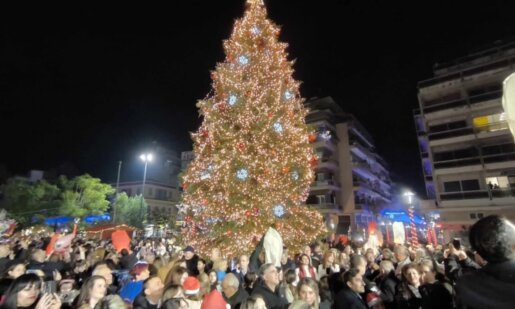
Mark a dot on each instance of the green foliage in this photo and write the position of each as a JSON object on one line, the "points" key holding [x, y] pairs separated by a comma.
{"points": [[77, 197], [130, 210], [83, 195], [23, 199]]}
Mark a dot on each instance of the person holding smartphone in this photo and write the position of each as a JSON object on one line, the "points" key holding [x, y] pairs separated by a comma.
{"points": [[24, 292]]}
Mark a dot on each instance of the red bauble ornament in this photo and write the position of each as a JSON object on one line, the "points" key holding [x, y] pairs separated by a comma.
{"points": [[204, 132], [248, 93], [270, 115], [229, 233], [313, 162], [204, 201], [286, 169], [248, 213], [240, 146], [230, 58], [214, 75], [312, 137], [222, 106]]}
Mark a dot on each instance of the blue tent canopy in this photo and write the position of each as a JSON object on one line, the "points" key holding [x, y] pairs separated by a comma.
{"points": [[58, 220], [96, 218], [401, 216], [91, 219]]}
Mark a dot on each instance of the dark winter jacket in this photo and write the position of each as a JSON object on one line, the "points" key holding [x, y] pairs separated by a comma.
{"points": [[238, 298], [272, 298], [493, 286], [388, 287], [436, 295], [348, 299]]}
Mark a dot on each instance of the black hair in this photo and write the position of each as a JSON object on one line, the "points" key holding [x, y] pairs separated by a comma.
{"points": [[20, 283], [355, 260], [349, 275], [493, 238]]}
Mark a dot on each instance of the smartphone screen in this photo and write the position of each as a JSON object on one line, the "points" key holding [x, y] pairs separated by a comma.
{"points": [[49, 287]]}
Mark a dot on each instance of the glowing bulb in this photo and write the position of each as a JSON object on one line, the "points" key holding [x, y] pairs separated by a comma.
{"points": [[288, 95], [232, 99], [279, 211], [278, 127], [242, 174], [243, 60]]}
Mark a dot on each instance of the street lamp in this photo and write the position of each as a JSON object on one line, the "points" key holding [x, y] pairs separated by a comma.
{"points": [[146, 157], [411, 213]]}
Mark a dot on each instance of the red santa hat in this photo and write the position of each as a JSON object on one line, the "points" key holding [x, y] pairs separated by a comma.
{"points": [[373, 299], [191, 286]]}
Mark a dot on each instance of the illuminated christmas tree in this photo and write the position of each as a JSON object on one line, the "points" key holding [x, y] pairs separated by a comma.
{"points": [[253, 162]]}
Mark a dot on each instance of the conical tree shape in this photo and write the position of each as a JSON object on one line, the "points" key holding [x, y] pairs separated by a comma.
{"points": [[253, 163]]}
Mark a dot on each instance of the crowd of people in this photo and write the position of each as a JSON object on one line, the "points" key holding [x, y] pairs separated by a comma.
{"points": [[153, 273]]}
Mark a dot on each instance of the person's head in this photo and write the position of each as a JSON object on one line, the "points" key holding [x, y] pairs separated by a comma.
{"points": [[254, 302], [289, 276], [299, 304], [307, 289], [15, 270], [354, 280], [307, 250], [230, 285], [5, 250], [220, 265], [387, 254], [370, 257], [92, 290], [201, 265], [176, 275], [427, 272], [304, 260], [386, 267], [66, 285], [493, 238], [344, 260], [111, 302], [212, 276], [23, 291], [153, 288], [244, 261], [401, 253], [215, 254], [140, 271], [191, 287], [175, 303], [328, 258], [358, 262], [269, 274], [189, 252], [173, 291], [411, 275], [374, 301], [38, 255], [250, 278], [103, 270]]}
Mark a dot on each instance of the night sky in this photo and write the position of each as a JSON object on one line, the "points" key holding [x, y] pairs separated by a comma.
{"points": [[86, 87]]}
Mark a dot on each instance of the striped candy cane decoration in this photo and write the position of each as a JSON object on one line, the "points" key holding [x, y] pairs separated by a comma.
{"points": [[413, 228]]}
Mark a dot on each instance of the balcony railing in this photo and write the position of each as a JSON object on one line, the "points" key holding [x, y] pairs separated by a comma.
{"points": [[478, 194], [468, 72], [450, 133], [492, 95], [325, 206]]}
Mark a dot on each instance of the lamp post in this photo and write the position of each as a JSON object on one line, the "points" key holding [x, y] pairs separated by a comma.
{"points": [[117, 189], [411, 214], [145, 158]]}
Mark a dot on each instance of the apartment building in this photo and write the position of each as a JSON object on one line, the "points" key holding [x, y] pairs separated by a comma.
{"points": [[352, 182], [466, 149]]}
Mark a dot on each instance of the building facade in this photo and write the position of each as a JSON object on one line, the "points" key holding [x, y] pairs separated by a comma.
{"points": [[161, 182], [466, 149], [352, 182]]}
